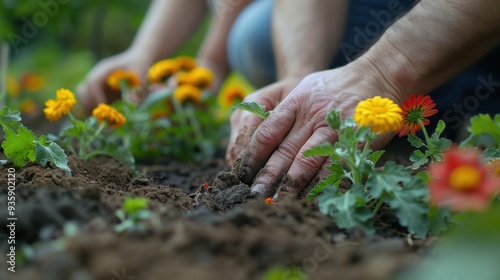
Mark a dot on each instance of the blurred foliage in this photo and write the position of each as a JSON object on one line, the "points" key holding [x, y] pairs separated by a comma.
{"points": [[60, 40]]}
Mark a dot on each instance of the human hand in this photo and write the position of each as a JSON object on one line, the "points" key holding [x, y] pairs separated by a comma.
{"points": [[94, 89], [273, 162], [244, 123]]}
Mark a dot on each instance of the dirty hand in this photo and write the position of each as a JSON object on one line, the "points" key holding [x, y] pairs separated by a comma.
{"points": [[244, 123], [93, 90], [273, 163]]}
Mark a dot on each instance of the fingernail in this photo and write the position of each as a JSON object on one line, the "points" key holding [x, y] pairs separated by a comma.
{"points": [[259, 188]]}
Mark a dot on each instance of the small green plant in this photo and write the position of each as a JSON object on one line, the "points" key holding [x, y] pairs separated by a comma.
{"points": [[133, 215], [279, 273], [21, 146], [370, 189]]}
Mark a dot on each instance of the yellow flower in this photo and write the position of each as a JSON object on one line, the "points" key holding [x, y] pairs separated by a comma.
{"points": [[186, 63], [231, 95], [184, 78], [32, 82], [55, 109], [13, 87], [28, 106], [382, 114], [104, 112], [130, 77], [186, 93], [201, 77], [162, 70]]}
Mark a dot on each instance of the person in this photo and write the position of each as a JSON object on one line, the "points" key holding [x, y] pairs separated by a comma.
{"points": [[427, 46]]}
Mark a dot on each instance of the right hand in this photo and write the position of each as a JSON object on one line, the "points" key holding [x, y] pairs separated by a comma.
{"points": [[93, 90]]}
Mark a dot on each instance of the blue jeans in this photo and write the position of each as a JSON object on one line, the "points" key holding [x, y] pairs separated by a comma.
{"points": [[250, 50]]}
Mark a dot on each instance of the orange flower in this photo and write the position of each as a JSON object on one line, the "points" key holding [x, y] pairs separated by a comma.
{"points": [[184, 78], [162, 70], [186, 63], [232, 95], [415, 109], [269, 201], [186, 93], [130, 77], [32, 82], [201, 77], [104, 112], [460, 181]]}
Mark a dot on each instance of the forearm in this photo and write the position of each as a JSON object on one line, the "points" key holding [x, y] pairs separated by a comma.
{"points": [[306, 34], [213, 51], [167, 25], [432, 43]]}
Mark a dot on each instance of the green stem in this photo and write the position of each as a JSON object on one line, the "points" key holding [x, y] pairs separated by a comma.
{"points": [[124, 89], [85, 144], [198, 133], [427, 139], [358, 174], [379, 203], [182, 119]]}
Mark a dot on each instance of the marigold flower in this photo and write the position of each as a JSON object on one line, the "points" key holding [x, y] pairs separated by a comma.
{"points": [[201, 77], [162, 70], [32, 82], [460, 181], [415, 109], [184, 78], [130, 77], [382, 114], [232, 95], [104, 112], [186, 93], [186, 63], [55, 109]]}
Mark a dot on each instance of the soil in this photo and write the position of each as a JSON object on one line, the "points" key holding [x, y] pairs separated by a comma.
{"points": [[205, 224]]}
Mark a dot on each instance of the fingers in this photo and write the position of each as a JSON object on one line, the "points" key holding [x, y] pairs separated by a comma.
{"points": [[265, 141], [288, 168], [243, 124]]}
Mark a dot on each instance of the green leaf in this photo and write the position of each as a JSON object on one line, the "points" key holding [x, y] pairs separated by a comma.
{"points": [[483, 123], [443, 144], [347, 209], [415, 141], [375, 156], [332, 180], [418, 158], [279, 273], [325, 149], [440, 127], [10, 119], [155, 99], [490, 154], [50, 151], [134, 204], [19, 147], [387, 180], [440, 220], [410, 205], [253, 107]]}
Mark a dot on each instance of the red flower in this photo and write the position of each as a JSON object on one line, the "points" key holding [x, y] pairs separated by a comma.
{"points": [[205, 185], [414, 109], [460, 181]]}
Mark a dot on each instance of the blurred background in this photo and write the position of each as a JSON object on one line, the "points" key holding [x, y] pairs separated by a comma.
{"points": [[54, 43]]}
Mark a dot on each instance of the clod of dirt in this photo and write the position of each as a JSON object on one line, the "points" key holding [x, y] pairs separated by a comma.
{"points": [[234, 196], [226, 180]]}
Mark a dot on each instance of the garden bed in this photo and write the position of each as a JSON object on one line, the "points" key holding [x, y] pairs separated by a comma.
{"points": [[200, 231]]}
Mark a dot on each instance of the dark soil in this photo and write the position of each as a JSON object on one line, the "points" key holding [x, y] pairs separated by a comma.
{"points": [[217, 230]]}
